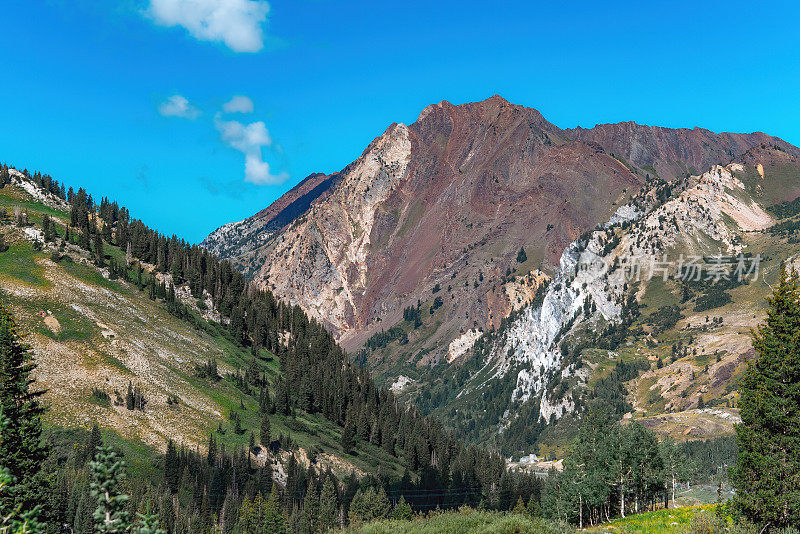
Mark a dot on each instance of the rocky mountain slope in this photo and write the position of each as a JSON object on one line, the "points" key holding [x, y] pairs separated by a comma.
{"points": [[365, 250], [242, 242], [434, 215], [671, 153], [96, 336], [650, 313]]}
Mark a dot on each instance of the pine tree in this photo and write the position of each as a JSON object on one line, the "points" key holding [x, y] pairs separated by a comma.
{"points": [[21, 449], [347, 437], [211, 459], [768, 466], [328, 506], [48, 230], [172, 467], [108, 473], [99, 254], [130, 399], [90, 447], [359, 507], [402, 510], [148, 524], [14, 519], [381, 507], [82, 523], [273, 518], [83, 238], [311, 507], [265, 431]]}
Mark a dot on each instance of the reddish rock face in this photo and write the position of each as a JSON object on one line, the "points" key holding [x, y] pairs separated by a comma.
{"points": [[673, 152], [484, 180], [449, 200]]}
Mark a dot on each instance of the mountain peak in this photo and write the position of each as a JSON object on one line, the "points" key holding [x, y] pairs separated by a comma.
{"points": [[427, 110], [493, 102], [485, 111]]}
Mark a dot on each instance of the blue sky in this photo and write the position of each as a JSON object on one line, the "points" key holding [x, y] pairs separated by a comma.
{"points": [[127, 97]]}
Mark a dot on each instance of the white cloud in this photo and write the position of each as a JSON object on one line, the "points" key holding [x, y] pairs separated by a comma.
{"points": [[178, 106], [238, 104], [250, 139], [244, 137], [237, 23]]}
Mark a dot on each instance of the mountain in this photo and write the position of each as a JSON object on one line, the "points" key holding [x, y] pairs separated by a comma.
{"points": [[365, 249], [624, 322], [458, 222], [525, 277]]}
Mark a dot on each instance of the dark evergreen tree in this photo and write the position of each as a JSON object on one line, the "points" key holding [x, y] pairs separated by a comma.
{"points": [[22, 451], [768, 468], [99, 253], [328, 506], [348, 433], [265, 430], [90, 447], [211, 457], [172, 467], [13, 518]]}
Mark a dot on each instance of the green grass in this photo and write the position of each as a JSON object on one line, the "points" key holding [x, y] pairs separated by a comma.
{"points": [[90, 275], [18, 263], [116, 362], [461, 521], [74, 325], [11, 197], [700, 494], [657, 295]]}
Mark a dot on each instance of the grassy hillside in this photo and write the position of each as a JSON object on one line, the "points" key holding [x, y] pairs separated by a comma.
{"points": [[93, 336]]}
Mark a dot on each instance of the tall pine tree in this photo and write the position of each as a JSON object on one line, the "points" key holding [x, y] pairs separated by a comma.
{"points": [[767, 473], [22, 451]]}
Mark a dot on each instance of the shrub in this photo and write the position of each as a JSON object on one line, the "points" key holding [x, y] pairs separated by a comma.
{"points": [[100, 397]]}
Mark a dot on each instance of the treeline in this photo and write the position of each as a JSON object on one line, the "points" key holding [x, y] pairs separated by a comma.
{"points": [[226, 491], [711, 458]]}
